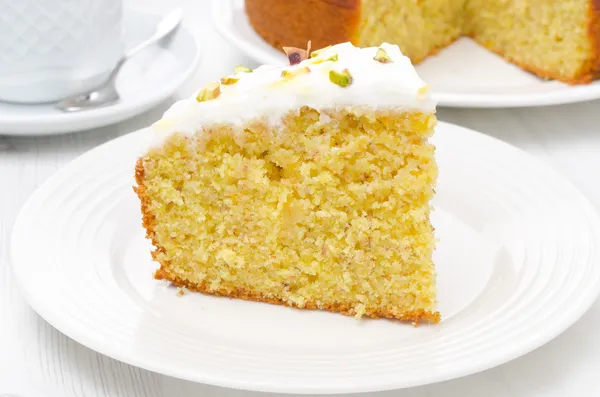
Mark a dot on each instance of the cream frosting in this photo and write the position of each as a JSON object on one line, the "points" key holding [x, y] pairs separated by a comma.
{"points": [[265, 93]]}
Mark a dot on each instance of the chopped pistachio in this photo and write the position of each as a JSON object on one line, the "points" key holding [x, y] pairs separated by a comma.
{"points": [[297, 55], [229, 80], [382, 56], [242, 69], [343, 78], [288, 74], [211, 91], [332, 58], [317, 52]]}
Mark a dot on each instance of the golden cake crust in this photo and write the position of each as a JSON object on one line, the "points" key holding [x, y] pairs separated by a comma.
{"points": [[280, 24], [593, 71], [415, 316], [148, 222]]}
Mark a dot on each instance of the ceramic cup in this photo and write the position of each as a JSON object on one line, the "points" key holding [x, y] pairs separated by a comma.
{"points": [[50, 49]]}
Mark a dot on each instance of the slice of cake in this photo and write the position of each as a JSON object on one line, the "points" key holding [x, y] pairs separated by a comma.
{"points": [[307, 185]]}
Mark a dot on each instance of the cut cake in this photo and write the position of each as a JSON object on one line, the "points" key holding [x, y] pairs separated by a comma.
{"points": [[555, 39], [307, 185]]}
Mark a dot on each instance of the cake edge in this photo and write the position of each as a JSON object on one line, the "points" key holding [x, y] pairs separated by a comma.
{"points": [[593, 31], [148, 222], [588, 72], [415, 316]]}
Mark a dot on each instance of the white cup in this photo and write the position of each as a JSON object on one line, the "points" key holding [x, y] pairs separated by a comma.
{"points": [[50, 49]]}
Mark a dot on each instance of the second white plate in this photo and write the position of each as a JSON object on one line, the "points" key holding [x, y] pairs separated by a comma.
{"points": [[517, 264], [462, 75]]}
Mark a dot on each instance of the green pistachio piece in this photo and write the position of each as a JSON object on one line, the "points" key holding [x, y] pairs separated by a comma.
{"points": [[343, 78], [211, 91], [242, 69], [382, 56], [229, 80], [317, 52], [288, 74]]}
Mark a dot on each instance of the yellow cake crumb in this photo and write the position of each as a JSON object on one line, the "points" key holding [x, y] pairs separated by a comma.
{"points": [[327, 213]]}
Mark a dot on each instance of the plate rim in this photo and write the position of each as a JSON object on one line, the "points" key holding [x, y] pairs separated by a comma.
{"points": [[223, 9], [90, 119], [588, 298]]}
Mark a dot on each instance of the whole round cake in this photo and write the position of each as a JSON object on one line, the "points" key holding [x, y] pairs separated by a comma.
{"points": [[554, 39]]}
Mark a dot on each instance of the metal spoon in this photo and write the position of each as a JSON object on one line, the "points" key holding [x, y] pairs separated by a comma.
{"points": [[107, 93]]}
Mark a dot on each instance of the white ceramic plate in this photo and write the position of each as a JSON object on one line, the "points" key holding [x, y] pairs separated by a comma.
{"points": [[517, 262], [145, 81], [463, 75]]}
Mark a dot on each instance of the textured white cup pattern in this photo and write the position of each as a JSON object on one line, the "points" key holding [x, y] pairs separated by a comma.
{"points": [[53, 48]]}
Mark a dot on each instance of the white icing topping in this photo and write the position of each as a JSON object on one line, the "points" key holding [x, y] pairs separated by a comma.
{"points": [[265, 93]]}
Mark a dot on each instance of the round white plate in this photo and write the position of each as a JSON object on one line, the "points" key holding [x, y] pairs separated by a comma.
{"points": [[462, 75], [517, 263], [145, 81]]}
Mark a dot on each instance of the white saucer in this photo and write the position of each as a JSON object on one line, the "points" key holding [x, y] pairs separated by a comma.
{"points": [[463, 75], [517, 264], [145, 81]]}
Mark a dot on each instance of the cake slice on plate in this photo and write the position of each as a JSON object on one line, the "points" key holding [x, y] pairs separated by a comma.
{"points": [[307, 185]]}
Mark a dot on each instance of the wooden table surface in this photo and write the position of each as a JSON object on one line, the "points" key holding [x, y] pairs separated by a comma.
{"points": [[33, 353]]}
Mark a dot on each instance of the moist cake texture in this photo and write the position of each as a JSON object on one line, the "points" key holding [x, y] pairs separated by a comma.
{"points": [[555, 39], [307, 185]]}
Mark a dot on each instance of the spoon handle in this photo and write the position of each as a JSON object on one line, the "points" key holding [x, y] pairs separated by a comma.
{"points": [[164, 28], [167, 25], [106, 93]]}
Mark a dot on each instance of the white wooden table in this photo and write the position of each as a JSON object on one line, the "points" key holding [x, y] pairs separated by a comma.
{"points": [[32, 352]]}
